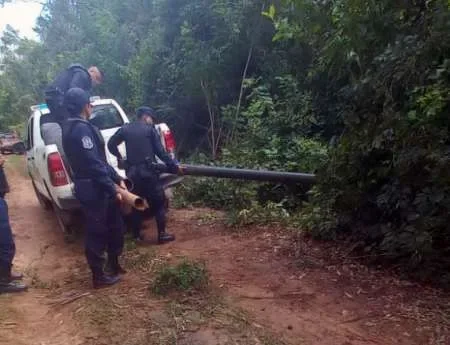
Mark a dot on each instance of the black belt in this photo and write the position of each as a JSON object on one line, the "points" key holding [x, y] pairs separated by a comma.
{"points": [[149, 163]]}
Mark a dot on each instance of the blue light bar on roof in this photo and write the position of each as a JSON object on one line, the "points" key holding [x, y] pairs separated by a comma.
{"points": [[41, 107]]}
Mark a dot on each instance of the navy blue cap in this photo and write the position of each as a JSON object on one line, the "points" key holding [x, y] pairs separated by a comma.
{"points": [[141, 111], [75, 100]]}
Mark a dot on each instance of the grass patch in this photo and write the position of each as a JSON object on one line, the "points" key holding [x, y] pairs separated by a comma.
{"points": [[101, 311], [136, 258], [142, 260], [185, 276], [130, 243], [209, 218]]}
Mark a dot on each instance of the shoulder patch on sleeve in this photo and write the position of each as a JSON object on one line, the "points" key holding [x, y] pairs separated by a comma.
{"points": [[87, 142]]}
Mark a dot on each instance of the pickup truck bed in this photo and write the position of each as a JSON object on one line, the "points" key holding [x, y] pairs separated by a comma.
{"points": [[45, 159]]}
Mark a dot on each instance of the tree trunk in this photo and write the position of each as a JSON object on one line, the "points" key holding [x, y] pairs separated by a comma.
{"points": [[212, 120]]}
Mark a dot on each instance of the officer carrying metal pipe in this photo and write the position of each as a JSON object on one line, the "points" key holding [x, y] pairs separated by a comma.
{"points": [[142, 144], [96, 185]]}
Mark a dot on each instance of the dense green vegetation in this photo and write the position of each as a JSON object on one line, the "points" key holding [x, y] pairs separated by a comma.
{"points": [[355, 90]]}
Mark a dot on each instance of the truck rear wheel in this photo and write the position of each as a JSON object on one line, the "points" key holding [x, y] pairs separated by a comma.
{"points": [[45, 204]]}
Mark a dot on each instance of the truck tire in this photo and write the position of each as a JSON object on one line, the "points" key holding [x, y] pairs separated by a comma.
{"points": [[43, 201], [64, 223]]}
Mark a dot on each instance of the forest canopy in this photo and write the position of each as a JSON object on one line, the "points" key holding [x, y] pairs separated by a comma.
{"points": [[356, 91]]}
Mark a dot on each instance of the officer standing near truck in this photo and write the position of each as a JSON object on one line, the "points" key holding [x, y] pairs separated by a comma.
{"points": [[95, 188], [8, 280], [142, 144], [74, 76]]}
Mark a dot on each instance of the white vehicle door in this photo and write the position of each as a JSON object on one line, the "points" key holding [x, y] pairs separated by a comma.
{"points": [[32, 158]]}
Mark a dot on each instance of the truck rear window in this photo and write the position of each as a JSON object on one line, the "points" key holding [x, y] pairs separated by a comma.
{"points": [[106, 116]]}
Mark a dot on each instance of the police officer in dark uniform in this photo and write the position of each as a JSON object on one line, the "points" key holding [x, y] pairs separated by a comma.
{"points": [[74, 76], [8, 280], [96, 184], [142, 144]]}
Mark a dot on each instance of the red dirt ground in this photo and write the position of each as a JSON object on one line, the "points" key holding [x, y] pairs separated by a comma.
{"points": [[314, 298]]}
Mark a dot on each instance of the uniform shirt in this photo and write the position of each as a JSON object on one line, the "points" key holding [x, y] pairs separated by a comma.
{"points": [[142, 144], [74, 76], [85, 151]]}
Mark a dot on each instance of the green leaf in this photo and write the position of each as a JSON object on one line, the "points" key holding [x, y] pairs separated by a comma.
{"points": [[271, 13]]}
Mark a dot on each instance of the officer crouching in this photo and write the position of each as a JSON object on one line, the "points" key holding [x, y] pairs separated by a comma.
{"points": [[142, 144], [95, 188]]}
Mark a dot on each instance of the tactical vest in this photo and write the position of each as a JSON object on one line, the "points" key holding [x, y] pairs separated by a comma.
{"points": [[138, 142]]}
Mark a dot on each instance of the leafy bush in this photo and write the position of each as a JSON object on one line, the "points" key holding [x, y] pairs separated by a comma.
{"points": [[271, 139], [260, 214], [236, 195], [214, 193], [387, 184], [185, 276]]}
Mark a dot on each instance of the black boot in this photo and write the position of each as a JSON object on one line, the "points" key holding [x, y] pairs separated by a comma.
{"points": [[164, 237], [103, 280], [6, 284], [12, 287], [113, 266]]}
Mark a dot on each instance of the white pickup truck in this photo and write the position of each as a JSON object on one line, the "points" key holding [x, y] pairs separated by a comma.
{"points": [[50, 178]]}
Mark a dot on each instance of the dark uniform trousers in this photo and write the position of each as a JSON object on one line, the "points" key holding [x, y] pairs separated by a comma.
{"points": [[104, 232], [143, 145], [7, 246], [94, 182], [147, 185]]}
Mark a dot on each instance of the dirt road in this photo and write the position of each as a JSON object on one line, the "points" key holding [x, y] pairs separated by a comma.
{"points": [[260, 293]]}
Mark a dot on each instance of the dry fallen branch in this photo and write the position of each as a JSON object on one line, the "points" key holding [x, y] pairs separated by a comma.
{"points": [[65, 301]]}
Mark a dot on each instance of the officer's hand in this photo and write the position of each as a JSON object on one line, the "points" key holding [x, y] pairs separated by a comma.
{"points": [[123, 185], [119, 197], [2, 160], [180, 170]]}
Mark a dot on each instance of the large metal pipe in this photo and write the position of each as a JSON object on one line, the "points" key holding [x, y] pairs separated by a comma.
{"points": [[243, 174], [130, 200]]}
